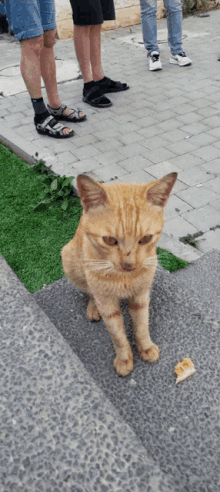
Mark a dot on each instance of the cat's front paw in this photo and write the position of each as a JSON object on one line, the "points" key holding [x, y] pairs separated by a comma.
{"points": [[152, 354], [92, 312], [123, 367]]}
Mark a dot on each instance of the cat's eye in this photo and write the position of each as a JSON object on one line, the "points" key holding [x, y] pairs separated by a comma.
{"points": [[110, 241], [145, 239]]}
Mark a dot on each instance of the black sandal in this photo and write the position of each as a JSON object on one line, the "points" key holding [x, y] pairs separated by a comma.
{"points": [[107, 85], [51, 127], [95, 98], [73, 117]]}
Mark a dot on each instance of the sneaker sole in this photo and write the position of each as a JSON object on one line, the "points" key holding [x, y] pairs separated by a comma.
{"points": [[175, 62], [155, 69]]}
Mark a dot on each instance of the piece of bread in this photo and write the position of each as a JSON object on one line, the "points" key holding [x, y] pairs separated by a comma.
{"points": [[184, 369]]}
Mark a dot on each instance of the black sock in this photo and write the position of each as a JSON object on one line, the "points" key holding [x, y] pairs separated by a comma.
{"points": [[41, 112], [89, 85], [101, 80]]}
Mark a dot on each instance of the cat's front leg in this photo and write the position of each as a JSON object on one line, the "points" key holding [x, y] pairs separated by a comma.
{"points": [[113, 319], [139, 311]]}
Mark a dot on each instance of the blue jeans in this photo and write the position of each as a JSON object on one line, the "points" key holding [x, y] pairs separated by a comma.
{"points": [[30, 18], [174, 25]]}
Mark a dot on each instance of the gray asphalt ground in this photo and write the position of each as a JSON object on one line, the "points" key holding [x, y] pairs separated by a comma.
{"points": [[177, 425], [68, 422]]}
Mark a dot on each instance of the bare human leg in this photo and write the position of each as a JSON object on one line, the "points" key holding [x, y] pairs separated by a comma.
{"points": [[31, 52], [48, 72]]}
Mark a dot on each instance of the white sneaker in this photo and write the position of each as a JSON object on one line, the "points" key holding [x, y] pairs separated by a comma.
{"points": [[181, 59], [154, 61]]}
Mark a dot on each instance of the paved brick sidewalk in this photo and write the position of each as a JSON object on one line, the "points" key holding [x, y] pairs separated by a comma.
{"points": [[167, 121]]}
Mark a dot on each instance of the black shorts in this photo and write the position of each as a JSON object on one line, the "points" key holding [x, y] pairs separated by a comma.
{"points": [[92, 12]]}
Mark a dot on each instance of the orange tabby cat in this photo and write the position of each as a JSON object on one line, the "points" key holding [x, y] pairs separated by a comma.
{"points": [[113, 256]]}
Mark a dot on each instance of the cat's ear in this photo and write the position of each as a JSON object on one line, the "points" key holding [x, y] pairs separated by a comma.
{"points": [[91, 193], [159, 192]]}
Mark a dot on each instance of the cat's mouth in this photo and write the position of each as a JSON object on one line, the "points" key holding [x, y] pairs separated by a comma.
{"points": [[127, 267]]}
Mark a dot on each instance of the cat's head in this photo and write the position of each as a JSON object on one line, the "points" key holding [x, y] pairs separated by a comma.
{"points": [[123, 221]]}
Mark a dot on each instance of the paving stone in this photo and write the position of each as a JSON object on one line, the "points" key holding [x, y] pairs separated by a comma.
{"points": [[137, 162], [131, 138], [125, 118], [137, 177], [194, 176], [207, 153], [178, 227], [109, 157], [181, 147], [112, 171], [201, 103], [216, 204], [208, 111], [164, 115], [175, 206], [194, 128], [204, 217], [161, 169], [128, 127], [202, 139], [133, 149], [86, 165], [216, 144], [210, 240], [151, 131], [169, 125], [174, 135], [212, 121], [67, 158], [214, 184], [86, 151], [87, 139], [154, 143], [160, 155], [185, 161], [189, 118], [17, 117], [195, 95], [197, 196], [108, 145], [183, 108]]}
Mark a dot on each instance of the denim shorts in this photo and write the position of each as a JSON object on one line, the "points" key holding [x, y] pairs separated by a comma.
{"points": [[30, 18]]}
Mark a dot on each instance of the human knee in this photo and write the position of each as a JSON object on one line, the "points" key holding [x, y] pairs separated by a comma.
{"points": [[173, 6], [33, 45], [49, 38], [148, 7]]}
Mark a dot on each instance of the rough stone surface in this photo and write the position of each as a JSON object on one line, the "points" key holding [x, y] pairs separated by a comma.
{"points": [[177, 424], [59, 432]]}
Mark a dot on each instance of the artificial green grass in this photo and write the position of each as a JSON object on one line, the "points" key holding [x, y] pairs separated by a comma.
{"points": [[169, 261], [31, 241]]}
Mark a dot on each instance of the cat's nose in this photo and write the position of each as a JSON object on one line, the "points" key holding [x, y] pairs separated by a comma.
{"points": [[127, 266]]}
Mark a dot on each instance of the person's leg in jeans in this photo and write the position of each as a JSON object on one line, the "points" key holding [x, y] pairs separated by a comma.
{"points": [[174, 25], [149, 24], [149, 30]]}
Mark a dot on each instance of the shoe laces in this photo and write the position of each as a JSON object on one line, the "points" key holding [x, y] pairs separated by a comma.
{"points": [[155, 57]]}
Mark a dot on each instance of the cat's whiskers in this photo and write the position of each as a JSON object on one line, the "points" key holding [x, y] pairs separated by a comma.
{"points": [[98, 265], [150, 263]]}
